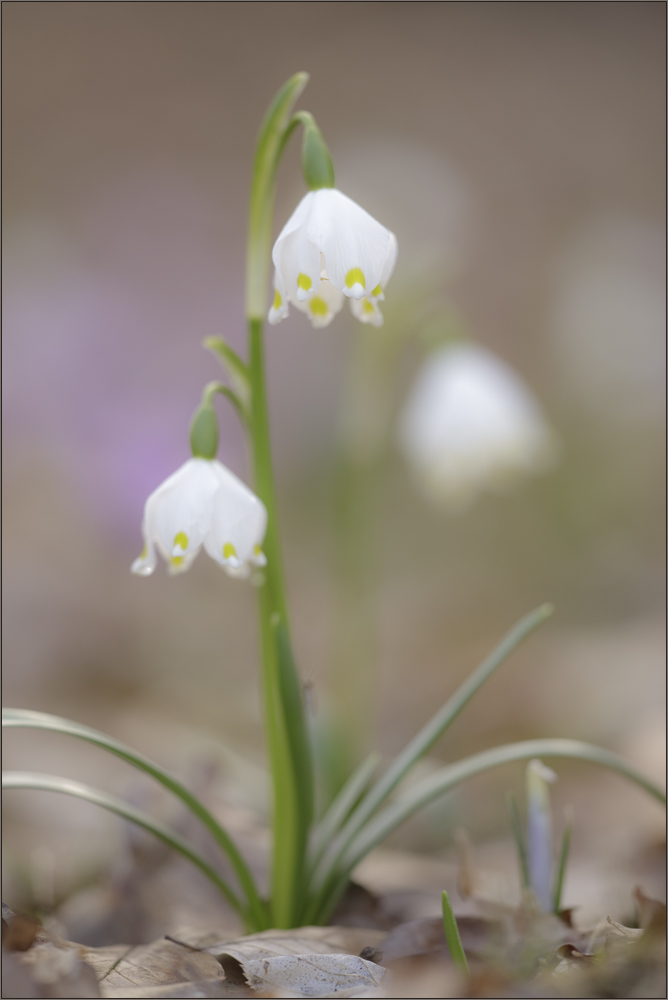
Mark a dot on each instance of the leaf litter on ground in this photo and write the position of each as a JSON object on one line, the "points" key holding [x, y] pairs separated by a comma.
{"points": [[512, 951]]}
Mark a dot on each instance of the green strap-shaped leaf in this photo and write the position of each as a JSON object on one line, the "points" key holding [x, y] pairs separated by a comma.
{"points": [[520, 844], [452, 936], [449, 777], [561, 868], [51, 783], [419, 746], [342, 804], [23, 718], [301, 755]]}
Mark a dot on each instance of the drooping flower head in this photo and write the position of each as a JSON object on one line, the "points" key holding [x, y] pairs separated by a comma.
{"points": [[330, 248], [203, 503], [471, 424]]}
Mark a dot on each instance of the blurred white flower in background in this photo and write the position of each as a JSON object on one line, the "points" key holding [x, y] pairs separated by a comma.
{"points": [[471, 424], [330, 248], [203, 503]]}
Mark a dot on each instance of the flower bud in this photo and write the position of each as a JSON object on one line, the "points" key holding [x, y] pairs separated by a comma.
{"points": [[539, 831]]}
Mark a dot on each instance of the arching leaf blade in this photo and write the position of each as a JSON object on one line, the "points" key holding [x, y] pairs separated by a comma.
{"points": [[66, 786]]}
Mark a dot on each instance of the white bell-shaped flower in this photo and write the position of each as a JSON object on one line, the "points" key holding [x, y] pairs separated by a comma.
{"points": [[203, 503], [330, 248], [471, 424]]}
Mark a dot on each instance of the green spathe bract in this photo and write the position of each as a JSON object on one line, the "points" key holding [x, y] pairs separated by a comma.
{"points": [[311, 862], [317, 165], [204, 432]]}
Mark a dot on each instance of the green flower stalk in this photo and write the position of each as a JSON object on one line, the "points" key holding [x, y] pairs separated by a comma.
{"points": [[292, 785]]}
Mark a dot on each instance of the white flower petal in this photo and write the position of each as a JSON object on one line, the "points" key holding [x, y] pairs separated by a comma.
{"points": [[323, 305], [295, 222], [388, 266], [180, 564], [279, 307], [146, 563], [238, 525], [367, 311], [295, 257], [258, 558], [300, 266], [181, 515], [356, 247]]}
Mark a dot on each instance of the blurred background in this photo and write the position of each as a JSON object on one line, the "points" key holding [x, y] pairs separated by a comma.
{"points": [[517, 151]]}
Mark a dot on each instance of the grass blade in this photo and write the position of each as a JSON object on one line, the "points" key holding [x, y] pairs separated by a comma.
{"points": [[300, 750], [448, 778], [452, 936], [51, 783], [23, 718], [421, 744], [522, 856], [340, 808], [561, 867]]}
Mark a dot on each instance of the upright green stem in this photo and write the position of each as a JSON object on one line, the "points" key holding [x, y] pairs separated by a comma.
{"points": [[283, 715], [272, 601]]}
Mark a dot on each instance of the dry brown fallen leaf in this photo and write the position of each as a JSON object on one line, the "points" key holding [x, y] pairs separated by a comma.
{"points": [[309, 961], [196, 964], [148, 967], [314, 976], [18, 931], [58, 971], [37, 964], [301, 941], [259, 959]]}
